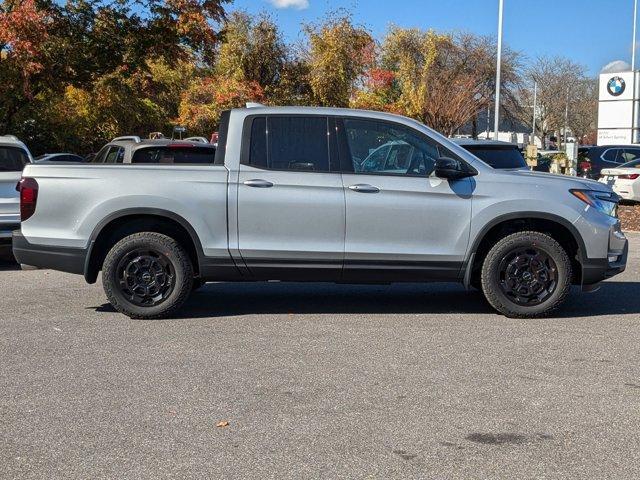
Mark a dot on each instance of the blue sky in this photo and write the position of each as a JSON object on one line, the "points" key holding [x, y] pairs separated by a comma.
{"points": [[590, 32]]}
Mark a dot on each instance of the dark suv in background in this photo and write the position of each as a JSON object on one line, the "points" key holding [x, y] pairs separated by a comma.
{"points": [[495, 153], [591, 160]]}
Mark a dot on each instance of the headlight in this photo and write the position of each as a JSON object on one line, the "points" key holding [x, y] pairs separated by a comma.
{"points": [[605, 202]]}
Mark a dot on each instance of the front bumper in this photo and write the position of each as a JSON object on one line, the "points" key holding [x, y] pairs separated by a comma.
{"points": [[595, 270], [65, 259]]}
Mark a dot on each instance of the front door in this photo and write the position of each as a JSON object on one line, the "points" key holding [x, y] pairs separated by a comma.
{"points": [[402, 223], [290, 204]]}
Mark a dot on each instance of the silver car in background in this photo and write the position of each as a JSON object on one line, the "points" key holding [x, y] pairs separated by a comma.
{"points": [[14, 155]]}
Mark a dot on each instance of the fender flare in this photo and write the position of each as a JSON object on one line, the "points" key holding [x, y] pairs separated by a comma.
{"points": [[471, 254], [90, 277]]}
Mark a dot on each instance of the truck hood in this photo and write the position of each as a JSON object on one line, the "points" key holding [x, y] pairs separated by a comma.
{"points": [[555, 179]]}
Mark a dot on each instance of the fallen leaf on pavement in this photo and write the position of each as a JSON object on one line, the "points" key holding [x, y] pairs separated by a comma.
{"points": [[222, 424]]}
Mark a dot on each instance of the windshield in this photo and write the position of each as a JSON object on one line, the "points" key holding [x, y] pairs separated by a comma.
{"points": [[498, 157], [12, 159]]}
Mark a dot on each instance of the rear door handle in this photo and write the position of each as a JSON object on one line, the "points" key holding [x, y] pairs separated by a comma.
{"points": [[364, 188], [258, 183]]}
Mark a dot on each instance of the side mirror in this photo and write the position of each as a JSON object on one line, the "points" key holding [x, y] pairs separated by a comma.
{"points": [[452, 169]]}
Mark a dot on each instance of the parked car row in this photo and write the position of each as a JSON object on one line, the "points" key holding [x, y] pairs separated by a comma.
{"points": [[615, 165]]}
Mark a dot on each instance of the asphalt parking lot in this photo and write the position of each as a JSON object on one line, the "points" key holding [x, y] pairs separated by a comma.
{"points": [[317, 381]]}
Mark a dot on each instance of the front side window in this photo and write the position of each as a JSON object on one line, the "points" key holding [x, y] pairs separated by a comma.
{"points": [[175, 155], [376, 147], [12, 159], [294, 143]]}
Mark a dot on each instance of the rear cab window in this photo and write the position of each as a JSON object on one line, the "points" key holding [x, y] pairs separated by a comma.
{"points": [[175, 154], [288, 143], [12, 159]]}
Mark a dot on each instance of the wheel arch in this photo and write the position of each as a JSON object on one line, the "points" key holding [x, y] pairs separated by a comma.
{"points": [[559, 228], [119, 224]]}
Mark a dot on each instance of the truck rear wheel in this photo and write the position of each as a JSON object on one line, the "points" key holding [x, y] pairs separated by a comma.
{"points": [[147, 275], [526, 275]]}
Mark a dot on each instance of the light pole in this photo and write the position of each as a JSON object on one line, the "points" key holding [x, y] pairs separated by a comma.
{"points": [[496, 121], [533, 123], [633, 45]]}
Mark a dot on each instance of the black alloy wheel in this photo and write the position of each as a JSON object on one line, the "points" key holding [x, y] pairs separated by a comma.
{"points": [[146, 277], [528, 276]]}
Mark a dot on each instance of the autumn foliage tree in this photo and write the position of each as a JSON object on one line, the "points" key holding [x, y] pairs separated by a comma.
{"points": [[443, 80], [207, 97], [338, 55]]}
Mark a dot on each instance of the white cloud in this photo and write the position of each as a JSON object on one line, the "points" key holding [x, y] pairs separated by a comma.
{"points": [[297, 4], [616, 67]]}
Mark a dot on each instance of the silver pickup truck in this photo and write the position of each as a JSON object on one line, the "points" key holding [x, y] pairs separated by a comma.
{"points": [[313, 194]]}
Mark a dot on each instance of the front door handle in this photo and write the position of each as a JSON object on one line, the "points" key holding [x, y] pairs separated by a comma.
{"points": [[258, 183], [364, 188]]}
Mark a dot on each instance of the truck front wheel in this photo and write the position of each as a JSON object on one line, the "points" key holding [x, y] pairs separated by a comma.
{"points": [[147, 275], [526, 275]]}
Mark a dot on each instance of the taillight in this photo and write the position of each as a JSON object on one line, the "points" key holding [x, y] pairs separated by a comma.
{"points": [[28, 197], [631, 176]]}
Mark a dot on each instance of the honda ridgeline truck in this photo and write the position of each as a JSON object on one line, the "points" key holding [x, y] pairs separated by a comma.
{"points": [[322, 195]]}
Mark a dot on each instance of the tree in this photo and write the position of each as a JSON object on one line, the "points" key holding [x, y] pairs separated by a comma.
{"points": [[338, 54], [23, 34], [48, 46], [444, 81], [206, 98], [583, 108], [560, 83], [252, 50]]}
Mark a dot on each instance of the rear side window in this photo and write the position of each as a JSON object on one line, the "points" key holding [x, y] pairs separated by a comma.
{"points": [[115, 155], [109, 154], [12, 159], [633, 164], [630, 154], [289, 143], [611, 155], [499, 157], [179, 154], [101, 155]]}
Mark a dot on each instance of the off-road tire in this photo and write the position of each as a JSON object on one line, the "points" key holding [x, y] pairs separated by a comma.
{"points": [[171, 251], [490, 275]]}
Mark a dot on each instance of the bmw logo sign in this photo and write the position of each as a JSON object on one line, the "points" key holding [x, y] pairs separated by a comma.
{"points": [[615, 86]]}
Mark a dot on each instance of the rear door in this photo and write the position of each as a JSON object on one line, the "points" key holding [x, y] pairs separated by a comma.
{"points": [[291, 211], [12, 161], [402, 223]]}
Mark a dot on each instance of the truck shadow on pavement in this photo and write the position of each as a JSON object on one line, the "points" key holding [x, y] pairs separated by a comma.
{"points": [[229, 299]]}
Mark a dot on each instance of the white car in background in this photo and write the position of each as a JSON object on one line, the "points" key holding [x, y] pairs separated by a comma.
{"points": [[625, 180]]}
